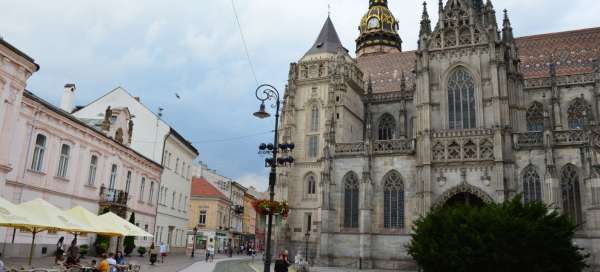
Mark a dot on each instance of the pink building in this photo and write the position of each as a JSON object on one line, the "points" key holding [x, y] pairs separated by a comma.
{"points": [[47, 153]]}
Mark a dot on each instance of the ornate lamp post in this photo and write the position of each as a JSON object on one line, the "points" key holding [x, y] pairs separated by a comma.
{"points": [[194, 241], [263, 93], [307, 238]]}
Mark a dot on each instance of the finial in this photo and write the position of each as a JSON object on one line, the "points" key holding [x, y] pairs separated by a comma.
{"points": [[441, 5], [328, 9], [425, 9]]}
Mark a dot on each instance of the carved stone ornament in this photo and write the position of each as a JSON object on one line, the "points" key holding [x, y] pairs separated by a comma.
{"points": [[463, 188]]}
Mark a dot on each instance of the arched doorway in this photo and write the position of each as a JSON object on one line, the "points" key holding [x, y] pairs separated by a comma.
{"points": [[464, 198]]}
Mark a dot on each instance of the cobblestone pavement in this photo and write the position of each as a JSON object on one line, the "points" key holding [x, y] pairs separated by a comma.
{"points": [[235, 264]]}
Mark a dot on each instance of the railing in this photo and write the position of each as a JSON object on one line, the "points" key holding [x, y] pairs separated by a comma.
{"points": [[350, 148], [113, 197], [570, 137], [530, 139], [402, 146]]}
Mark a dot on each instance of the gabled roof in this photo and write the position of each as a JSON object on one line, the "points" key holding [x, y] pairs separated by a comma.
{"points": [[328, 40], [202, 188]]}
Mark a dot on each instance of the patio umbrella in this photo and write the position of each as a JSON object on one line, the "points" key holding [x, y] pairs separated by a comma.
{"points": [[45, 216], [13, 216], [123, 226], [99, 226]]}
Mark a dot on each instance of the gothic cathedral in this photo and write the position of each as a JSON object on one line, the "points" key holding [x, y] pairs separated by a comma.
{"points": [[474, 115]]}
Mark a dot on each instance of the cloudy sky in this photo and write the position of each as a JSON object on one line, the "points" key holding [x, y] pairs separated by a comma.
{"points": [[155, 48]]}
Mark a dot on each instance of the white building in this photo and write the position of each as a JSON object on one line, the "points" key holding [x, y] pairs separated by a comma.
{"points": [[156, 139]]}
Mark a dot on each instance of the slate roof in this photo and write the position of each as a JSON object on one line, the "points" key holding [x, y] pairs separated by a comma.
{"points": [[328, 40], [202, 188], [573, 52]]}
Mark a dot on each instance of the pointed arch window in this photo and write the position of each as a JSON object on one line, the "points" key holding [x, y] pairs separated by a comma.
{"points": [[461, 99], [387, 127], [311, 183], [571, 196], [314, 119], [577, 112], [393, 205], [532, 186], [535, 117], [351, 200]]}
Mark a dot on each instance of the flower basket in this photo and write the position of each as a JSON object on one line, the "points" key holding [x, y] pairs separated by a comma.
{"points": [[266, 207]]}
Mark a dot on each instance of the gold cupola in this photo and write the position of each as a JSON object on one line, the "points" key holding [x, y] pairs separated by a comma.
{"points": [[378, 31]]}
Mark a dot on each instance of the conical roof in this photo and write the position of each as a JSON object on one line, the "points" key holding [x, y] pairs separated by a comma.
{"points": [[328, 40]]}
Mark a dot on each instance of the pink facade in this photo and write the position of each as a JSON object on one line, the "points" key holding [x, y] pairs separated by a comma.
{"points": [[47, 153]]}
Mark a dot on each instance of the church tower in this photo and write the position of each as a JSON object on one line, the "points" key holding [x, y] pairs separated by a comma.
{"points": [[322, 105], [378, 31]]}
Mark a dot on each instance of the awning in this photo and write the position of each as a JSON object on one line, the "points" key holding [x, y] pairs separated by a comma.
{"points": [[123, 226]]}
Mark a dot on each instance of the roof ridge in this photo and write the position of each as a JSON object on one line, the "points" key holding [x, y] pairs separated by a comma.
{"points": [[560, 33]]}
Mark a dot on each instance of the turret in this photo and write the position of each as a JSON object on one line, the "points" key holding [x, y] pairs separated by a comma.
{"points": [[507, 31], [378, 31]]}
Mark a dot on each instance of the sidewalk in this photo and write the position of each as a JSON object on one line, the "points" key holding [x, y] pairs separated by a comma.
{"points": [[203, 266]]}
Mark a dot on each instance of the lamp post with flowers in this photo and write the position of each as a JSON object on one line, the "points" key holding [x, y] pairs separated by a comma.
{"points": [[264, 93]]}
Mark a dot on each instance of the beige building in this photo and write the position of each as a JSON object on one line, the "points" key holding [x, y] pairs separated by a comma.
{"points": [[473, 115], [209, 214], [249, 220]]}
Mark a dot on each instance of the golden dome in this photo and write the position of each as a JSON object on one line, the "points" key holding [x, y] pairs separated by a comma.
{"points": [[378, 30], [378, 18]]}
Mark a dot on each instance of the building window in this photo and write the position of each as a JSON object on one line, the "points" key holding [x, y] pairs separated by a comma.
{"points": [[38, 153], [314, 119], [128, 182], [532, 187], [308, 222], [461, 99], [185, 204], [142, 185], [113, 177], [313, 146], [351, 200], [165, 195], [169, 160], [387, 127], [393, 201], [173, 200], [177, 166], [63, 161], [145, 229], [151, 194], [535, 117], [92, 170], [577, 113], [202, 220], [571, 196], [311, 182], [179, 202]]}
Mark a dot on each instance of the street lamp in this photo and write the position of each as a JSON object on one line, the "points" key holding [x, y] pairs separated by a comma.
{"points": [[307, 237], [194, 241], [263, 93]]}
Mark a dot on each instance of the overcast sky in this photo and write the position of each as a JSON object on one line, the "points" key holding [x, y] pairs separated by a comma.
{"points": [[155, 48]]}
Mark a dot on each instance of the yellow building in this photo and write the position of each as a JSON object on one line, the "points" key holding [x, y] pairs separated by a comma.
{"points": [[209, 213], [249, 223]]}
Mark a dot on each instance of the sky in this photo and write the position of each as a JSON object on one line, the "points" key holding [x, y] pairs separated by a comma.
{"points": [[156, 48]]}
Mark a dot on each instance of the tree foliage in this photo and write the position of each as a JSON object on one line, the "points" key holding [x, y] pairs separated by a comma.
{"points": [[129, 241], [497, 237]]}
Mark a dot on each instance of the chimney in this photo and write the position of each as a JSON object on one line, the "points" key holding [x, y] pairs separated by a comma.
{"points": [[137, 98], [68, 96]]}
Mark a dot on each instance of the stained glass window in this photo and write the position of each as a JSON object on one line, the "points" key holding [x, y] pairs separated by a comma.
{"points": [[387, 127], [393, 205], [461, 100], [351, 200], [571, 196], [532, 186]]}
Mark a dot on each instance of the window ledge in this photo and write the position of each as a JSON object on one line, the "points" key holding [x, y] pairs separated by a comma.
{"points": [[63, 179], [39, 173], [91, 187], [141, 201]]}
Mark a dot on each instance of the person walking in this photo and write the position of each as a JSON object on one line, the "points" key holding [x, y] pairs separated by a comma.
{"points": [[152, 254], [163, 252], [73, 254], [59, 250], [282, 264], [1, 264]]}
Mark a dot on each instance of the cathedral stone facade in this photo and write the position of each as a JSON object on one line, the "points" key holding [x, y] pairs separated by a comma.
{"points": [[474, 115]]}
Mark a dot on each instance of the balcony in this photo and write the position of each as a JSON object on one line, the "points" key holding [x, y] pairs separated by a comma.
{"points": [[350, 148], [559, 138], [401, 146], [463, 145], [529, 139], [113, 200]]}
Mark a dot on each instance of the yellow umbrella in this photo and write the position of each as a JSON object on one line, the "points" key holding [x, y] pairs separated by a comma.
{"points": [[123, 226], [99, 226], [45, 216], [13, 216]]}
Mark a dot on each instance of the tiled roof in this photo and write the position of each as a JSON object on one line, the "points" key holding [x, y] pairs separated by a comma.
{"points": [[385, 70], [573, 53], [328, 40], [202, 188]]}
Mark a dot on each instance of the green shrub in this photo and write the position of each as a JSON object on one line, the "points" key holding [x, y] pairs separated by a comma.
{"points": [[83, 250], [496, 237], [129, 241], [141, 251]]}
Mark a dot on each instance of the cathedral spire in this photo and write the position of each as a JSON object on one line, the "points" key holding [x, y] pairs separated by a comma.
{"points": [[328, 40], [507, 31], [425, 22]]}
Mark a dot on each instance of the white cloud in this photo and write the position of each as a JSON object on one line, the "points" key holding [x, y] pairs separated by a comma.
{"points": [[260, 182]]}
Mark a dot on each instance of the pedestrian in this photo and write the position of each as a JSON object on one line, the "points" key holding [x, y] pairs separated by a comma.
{"points": [[152, 254], [211, 252], [103, 266], [1, 264], [253, 252], [207, 254], [282, 264], [112, 262], [163, 252], [59, 250], [73, 254], [121, 265]]}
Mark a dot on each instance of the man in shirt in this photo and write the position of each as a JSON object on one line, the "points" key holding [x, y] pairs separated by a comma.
{"points": [[112, 263], [163, 252]]}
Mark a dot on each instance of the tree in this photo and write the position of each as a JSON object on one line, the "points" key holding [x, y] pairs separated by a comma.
{"points": [[496, 237], [102, 242], [129, 241]]}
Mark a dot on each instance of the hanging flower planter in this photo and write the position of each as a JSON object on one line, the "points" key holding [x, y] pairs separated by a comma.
{"points": [[266, 207]]}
